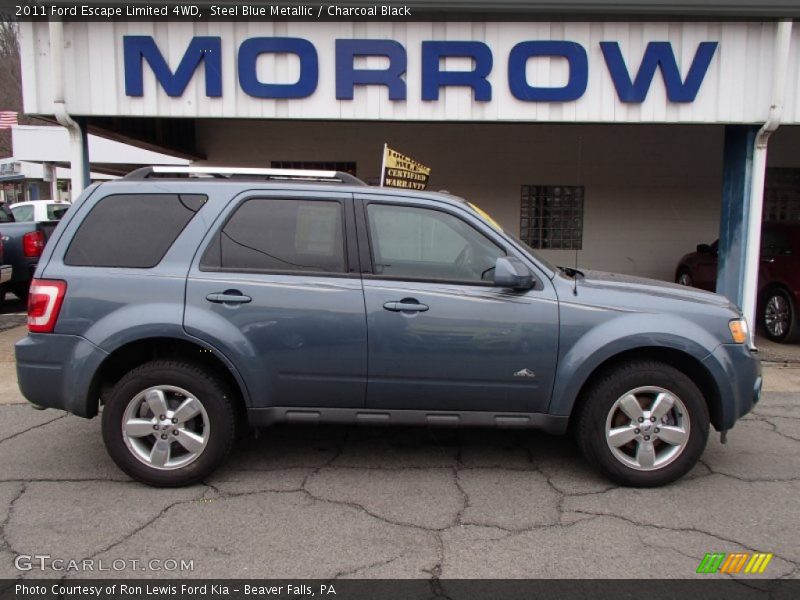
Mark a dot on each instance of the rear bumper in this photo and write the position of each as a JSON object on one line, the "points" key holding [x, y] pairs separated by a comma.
{"points": [[737, 373], [56, 371]]}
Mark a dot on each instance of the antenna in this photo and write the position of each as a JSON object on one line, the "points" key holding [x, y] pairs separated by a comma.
{"points": [[580, 182]]}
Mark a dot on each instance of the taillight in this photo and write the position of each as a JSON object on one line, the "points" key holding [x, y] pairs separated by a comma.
{"points": [[33, 244], [44, 303]]}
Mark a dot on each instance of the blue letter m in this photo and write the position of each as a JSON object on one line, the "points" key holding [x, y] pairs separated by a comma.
{"points": [[140, 48], [658, 55]]}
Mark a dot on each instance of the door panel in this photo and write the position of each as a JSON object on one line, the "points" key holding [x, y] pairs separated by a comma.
{"points": [[705, 272], [458, 343], [474, 348], [276, 286], [304, 338]]}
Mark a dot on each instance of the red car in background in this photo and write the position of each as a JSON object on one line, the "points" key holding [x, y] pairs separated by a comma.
{"points": [[778, 278]]}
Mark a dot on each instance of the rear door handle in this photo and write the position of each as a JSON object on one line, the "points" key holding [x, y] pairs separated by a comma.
{"points": [[405, 305], [229, 297]]}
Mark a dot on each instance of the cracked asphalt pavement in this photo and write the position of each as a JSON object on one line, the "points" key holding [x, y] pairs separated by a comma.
{"points": [[328, 502]]}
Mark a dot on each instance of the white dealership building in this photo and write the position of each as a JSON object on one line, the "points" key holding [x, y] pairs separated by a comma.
{"points": [[621, 143]]}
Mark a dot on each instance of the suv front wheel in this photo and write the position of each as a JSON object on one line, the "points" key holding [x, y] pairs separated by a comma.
{"points": [[643, 424], [168, 423]]}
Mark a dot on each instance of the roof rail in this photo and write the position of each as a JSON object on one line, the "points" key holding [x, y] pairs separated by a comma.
{"points": [[245, 173]]}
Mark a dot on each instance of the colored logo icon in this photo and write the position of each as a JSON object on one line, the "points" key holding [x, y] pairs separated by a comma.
{"points": [[735, 563]]}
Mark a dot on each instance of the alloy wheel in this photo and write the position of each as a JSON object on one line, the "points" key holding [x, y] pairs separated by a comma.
{"points": [[777, 315], [165, 427], [647, 428]]}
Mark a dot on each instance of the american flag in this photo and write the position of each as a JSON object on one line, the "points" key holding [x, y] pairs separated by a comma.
{"points": [[8, 118]]}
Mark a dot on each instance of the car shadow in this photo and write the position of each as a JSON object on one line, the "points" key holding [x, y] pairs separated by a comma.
{"points": [[368, 447]]}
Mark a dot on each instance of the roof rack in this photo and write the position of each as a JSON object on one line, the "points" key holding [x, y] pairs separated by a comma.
{"points": [[245, 173]]}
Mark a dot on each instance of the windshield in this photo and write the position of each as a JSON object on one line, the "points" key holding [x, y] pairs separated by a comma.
{"points": [[495, 225]]}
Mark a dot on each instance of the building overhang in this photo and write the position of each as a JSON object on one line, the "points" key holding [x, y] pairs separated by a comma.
{"points": [[112, 156]]}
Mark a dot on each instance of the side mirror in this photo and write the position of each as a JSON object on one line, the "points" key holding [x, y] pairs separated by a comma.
{"points": [[703, 249], [511, 272]]}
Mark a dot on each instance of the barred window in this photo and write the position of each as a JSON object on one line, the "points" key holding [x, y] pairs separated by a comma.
{"points": [[551, 216], [782, 195]]}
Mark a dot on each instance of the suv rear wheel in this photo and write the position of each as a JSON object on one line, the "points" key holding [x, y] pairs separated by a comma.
{"points": [[643, 424], [168, 423]]}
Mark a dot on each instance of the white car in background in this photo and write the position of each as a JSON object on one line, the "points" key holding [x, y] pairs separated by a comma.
{"points": [[39, 210]]}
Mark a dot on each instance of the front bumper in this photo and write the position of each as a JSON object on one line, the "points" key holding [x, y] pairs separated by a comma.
{"points": [[56, 371], [737, 373]]}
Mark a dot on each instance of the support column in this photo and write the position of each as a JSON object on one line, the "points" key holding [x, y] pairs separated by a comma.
{"points": [[79, 158], [52, 179], [76, 127], [737, 173]]}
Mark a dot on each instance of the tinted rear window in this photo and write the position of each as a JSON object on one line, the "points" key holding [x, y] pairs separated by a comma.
{"points": [[131, 230], [266, 235]]}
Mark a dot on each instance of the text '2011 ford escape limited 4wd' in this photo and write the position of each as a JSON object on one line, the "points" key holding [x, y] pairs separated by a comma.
{"points": [[190, 302]]}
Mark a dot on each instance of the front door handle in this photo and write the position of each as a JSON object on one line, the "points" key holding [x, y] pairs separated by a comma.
{"points": [[229, 297], [405, 305]]}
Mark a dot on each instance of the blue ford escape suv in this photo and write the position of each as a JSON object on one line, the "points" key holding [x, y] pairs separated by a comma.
{"points": [[187, 303]]}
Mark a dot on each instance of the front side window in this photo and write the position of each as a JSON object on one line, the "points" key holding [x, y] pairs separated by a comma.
{"points": [[6, 216], [774, 244], [420, 243], [266, 235]]}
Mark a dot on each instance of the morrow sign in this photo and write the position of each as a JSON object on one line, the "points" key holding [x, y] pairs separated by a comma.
{"points": [[631, 82]]}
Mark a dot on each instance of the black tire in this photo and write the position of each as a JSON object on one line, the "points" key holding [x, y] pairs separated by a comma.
{"points": [[684, 277], [215, 398], [20, 290], [596, 405], [790, 330]]}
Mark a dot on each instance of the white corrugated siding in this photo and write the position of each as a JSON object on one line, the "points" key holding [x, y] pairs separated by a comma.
{"points": [[736, 87]]}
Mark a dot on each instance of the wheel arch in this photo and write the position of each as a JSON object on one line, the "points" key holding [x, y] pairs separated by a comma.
{"points": [[684, 362], [137, 352]]}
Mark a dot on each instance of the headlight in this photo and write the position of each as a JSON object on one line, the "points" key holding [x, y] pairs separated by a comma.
{"points": [[740, 332]]}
